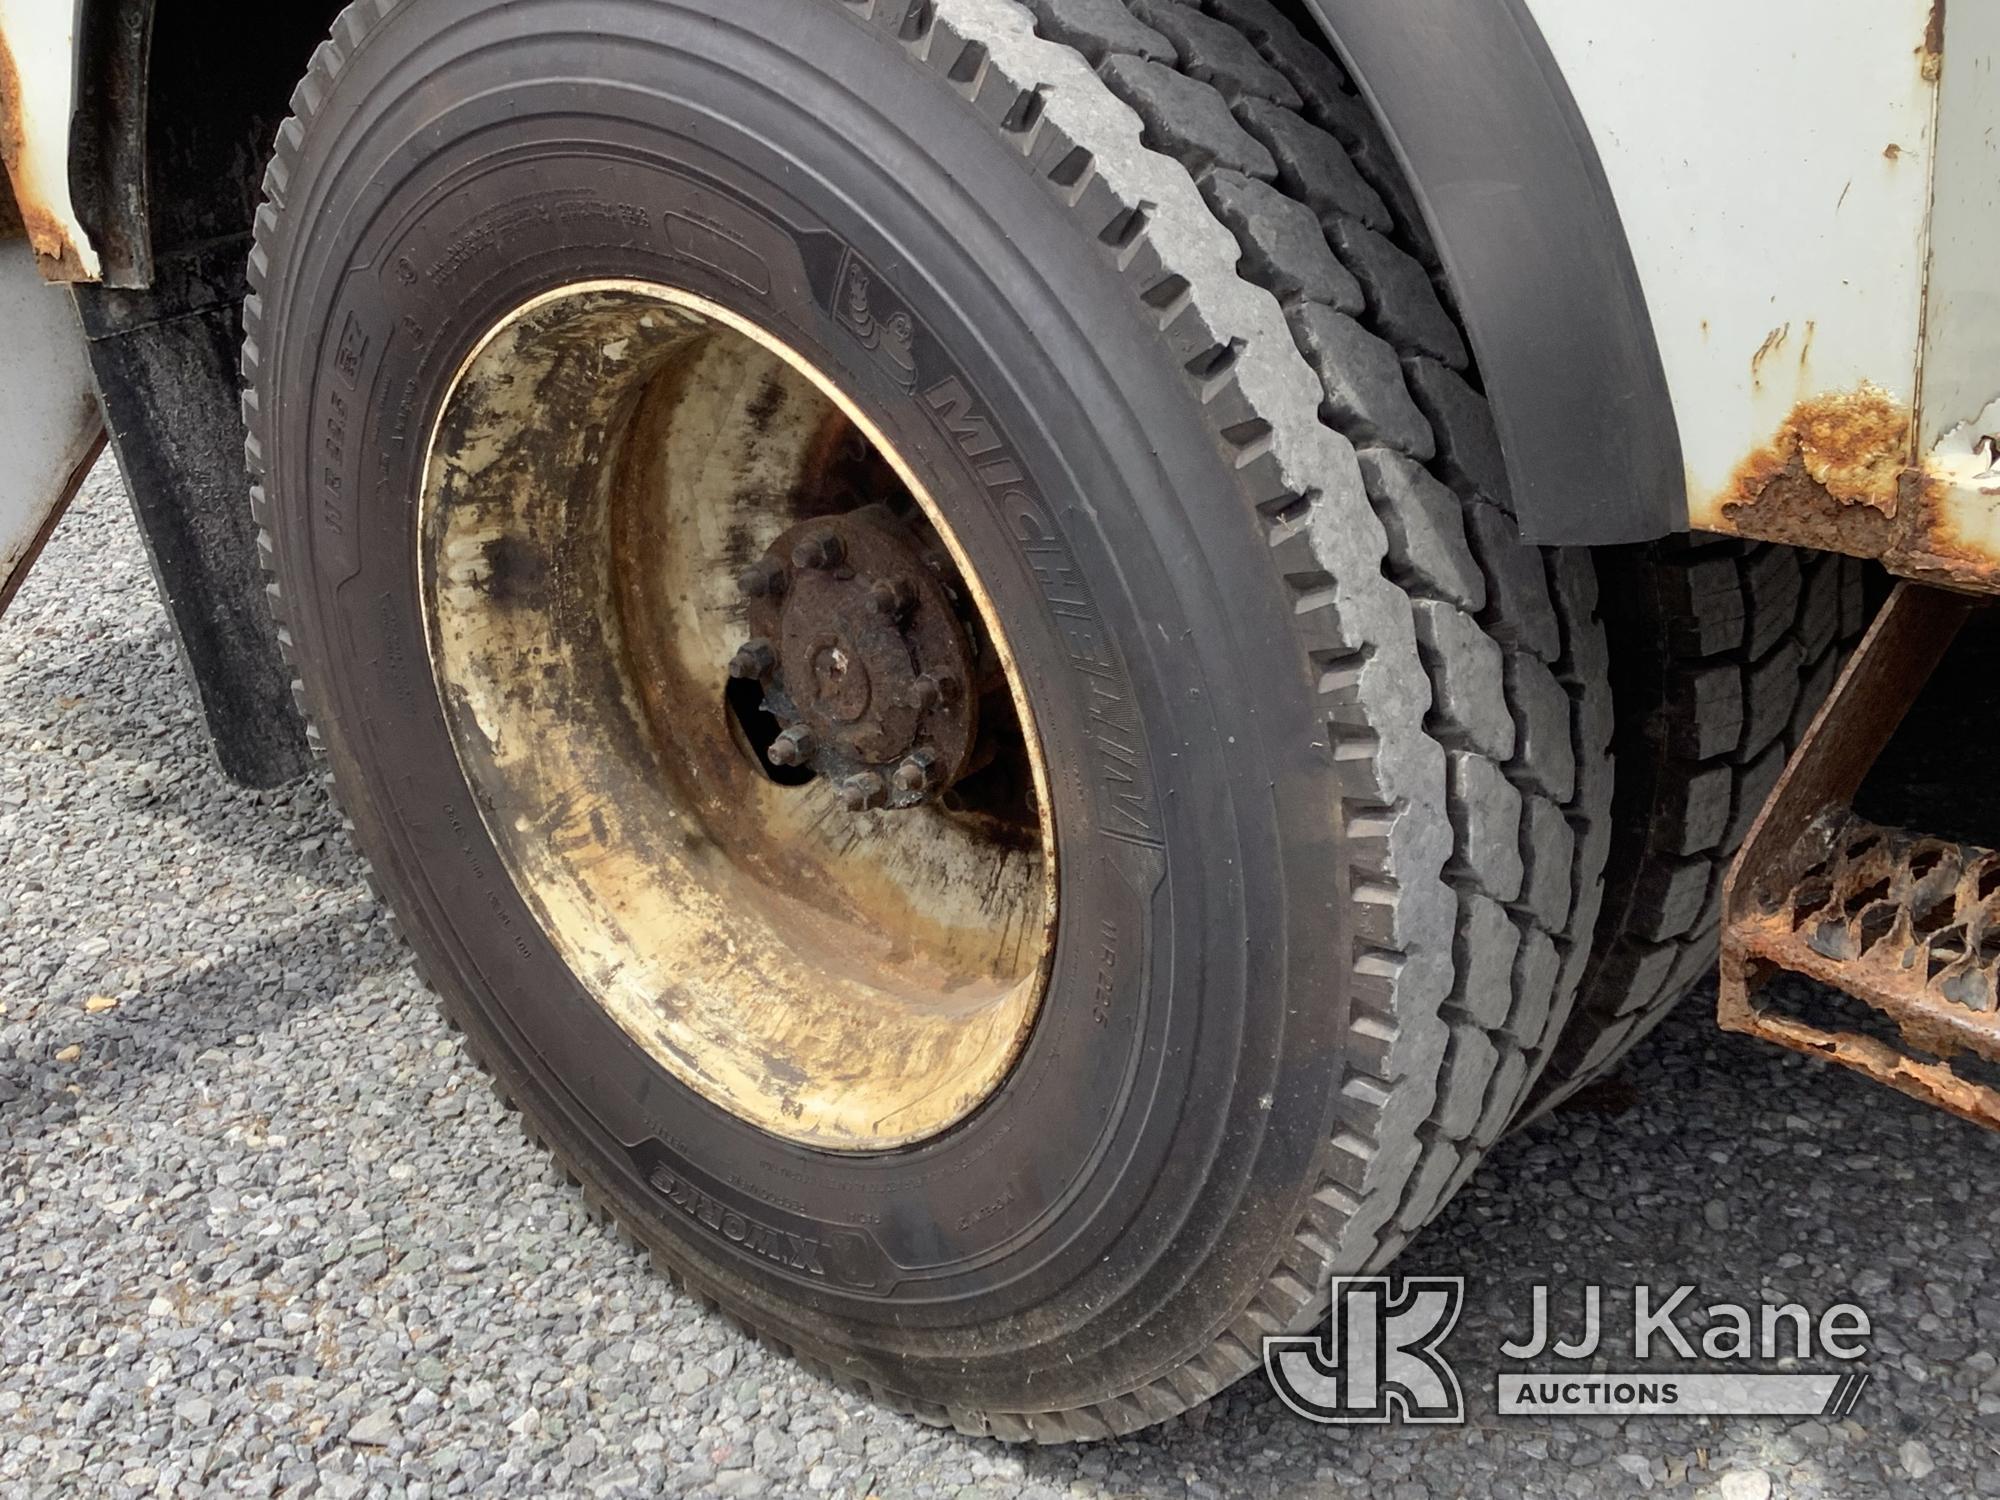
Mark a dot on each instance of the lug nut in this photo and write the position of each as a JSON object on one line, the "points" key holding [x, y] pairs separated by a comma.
{"points": [[820, 550], [764, 578], [792, 748], [891, 598], [931, 689], [915, 773], [862, 791], [754, 660]]}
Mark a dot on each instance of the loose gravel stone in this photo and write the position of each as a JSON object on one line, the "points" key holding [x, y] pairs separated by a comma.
{"points": [[1745, 1484], [1916, 1460], [266, 1232]]}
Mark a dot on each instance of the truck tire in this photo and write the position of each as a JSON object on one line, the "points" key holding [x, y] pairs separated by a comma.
{"points": [[1292, 776], [1721, 651]]}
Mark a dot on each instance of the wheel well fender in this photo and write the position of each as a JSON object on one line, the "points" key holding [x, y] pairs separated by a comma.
{"points": [[167, 163], [1504, 168]]}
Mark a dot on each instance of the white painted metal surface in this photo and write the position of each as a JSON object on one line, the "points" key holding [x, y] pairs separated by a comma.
{"points": [[1961, 373], [1960, 402], [49, 422], [40, 37], [1771, 160], [1774, 163]]}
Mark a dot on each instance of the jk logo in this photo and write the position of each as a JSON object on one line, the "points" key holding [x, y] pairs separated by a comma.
{"points": [[1377, 1360]]}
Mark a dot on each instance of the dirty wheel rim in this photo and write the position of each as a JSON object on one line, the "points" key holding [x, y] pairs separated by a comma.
{"points": [[777, 799]]}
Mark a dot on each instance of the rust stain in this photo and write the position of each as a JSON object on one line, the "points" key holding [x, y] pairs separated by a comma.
{"points": [[1773, 342], [1904, 924], [1839, 475], [11, 133], [60, 261], [1930, 53], [1892, 152], [1852, 446], [1929, 1081]]}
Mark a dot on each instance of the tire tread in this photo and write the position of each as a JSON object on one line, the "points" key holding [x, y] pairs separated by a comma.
{"points": [[1723, 650]]}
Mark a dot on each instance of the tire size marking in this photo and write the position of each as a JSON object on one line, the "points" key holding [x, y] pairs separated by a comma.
{"points": [[349, 351], [492, 231]]}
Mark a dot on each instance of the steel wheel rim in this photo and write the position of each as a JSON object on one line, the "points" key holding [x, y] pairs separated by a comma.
{"points": [[608, 462]]}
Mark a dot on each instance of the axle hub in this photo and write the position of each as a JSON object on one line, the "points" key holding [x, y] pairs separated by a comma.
{"points": [[863, 658]]}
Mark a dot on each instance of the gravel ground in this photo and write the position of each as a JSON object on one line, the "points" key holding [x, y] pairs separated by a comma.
{"points": [[267, 1232]]}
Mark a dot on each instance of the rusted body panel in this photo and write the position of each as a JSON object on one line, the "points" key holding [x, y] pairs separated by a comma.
{"points": [[1774, 195], [1899, 465], [1813, 214], [1841, 475], [37, 99]]}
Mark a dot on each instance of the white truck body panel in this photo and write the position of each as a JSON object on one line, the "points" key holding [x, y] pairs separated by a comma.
{"points": [[1772, 161], [49, 423], [1810, 190], [1961, 372]]}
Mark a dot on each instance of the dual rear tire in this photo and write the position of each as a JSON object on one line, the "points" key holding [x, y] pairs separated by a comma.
{"points": [[1127, 317]]}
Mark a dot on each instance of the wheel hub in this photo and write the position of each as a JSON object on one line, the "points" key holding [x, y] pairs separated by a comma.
{"points": [[864, 658]]}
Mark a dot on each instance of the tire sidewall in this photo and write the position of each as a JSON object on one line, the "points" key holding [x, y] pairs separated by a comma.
{"points": [[1179, 1085]]}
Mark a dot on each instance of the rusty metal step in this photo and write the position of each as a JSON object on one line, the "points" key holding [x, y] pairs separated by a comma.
{"points": [[1906, 924]]}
